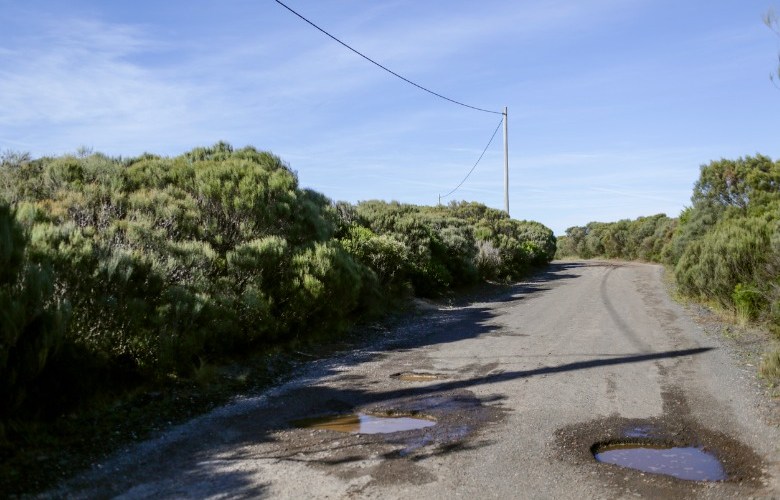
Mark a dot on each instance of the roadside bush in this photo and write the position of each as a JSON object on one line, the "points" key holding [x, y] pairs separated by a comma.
{"points": [[725, 248], [384, 257], [727, 256], [770, 366], [165, 265], [458, 244], [488, 260], [748, 301], [645, 238], [324, 290], [149, 251], [31, 323]]}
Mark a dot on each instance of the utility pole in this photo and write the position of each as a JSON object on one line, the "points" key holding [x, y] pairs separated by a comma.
{"points": [[506, 162]]}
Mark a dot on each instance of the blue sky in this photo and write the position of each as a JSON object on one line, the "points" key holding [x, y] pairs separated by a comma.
{"points": [[613, 104]]}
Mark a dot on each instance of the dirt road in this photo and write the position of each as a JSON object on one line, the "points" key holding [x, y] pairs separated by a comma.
{"points": [[520, 386]]}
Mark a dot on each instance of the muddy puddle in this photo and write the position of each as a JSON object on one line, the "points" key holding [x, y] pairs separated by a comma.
{"points": [[361, 423], [654, 456], [689, 463]]}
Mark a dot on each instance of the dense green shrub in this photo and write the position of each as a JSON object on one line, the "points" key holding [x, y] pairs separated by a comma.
{"points": [[646, 238], [386, 258], [732, 226], [165, 264], [460, 243], [156, 255], [725, 247], [729, 255], [31, 323]]}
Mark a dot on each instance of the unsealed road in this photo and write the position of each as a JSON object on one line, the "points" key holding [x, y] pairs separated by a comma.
{"points": [[525, 383]]}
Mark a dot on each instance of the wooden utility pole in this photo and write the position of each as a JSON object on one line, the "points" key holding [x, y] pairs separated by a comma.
{"points": [[506, 162]]}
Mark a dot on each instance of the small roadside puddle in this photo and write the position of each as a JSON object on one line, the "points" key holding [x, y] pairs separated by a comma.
{"points": [[416, 377], [361, 423], [689, 463]]}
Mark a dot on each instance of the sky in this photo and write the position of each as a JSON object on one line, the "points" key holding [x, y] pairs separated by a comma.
{"points": [[613, 105]]}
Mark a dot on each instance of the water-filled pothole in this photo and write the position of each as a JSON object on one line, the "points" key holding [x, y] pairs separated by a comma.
{"points": [[416, 377], [361, 423], [689, 463]]}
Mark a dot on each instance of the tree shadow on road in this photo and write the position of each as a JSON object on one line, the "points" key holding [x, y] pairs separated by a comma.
{"points": [[206, 449]]}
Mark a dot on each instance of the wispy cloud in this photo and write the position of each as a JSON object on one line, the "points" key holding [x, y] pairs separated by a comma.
{"points": [[609, 109], [81, 80]]}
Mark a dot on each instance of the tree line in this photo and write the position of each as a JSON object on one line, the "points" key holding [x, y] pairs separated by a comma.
{"points": [[116, 272], [724, 248]]}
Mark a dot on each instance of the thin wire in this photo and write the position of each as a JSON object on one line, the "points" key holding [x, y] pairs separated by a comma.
{"points": [[478, 160], [385, 68]]}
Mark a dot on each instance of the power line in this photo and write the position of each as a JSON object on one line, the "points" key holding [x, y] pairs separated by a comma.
{"points": [[385, 68], [478, 160]]}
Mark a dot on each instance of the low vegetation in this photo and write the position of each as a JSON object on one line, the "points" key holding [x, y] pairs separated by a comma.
{"points": [[724, 249], [117, 273]]}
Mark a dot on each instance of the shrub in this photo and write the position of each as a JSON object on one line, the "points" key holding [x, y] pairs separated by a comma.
{"points": [[725, 257], [383, 255], [748, 301], [725, 248], [770, 366], [488, 260], [166, 264], [31, 323]]}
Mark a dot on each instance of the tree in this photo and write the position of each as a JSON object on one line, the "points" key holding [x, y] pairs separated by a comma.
{"points": [[742, 184]]}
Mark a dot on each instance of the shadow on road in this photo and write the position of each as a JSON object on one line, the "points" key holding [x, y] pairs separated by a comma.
{"points": [[442, 327], [206, 448], [357, 397], [518, 374], [322, 399]]}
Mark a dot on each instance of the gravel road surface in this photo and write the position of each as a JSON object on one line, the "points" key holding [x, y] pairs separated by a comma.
{"points": [[521, 386]]}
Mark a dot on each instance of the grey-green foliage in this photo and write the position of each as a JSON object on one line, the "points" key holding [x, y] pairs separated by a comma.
{"points": [[730, 254], [724, 248], [725, 243], [31, 323], [645, 238], [167, 262], [457, 244]]}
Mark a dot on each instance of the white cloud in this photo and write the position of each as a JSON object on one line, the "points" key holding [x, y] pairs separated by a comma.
{"points": [[82, 80]]}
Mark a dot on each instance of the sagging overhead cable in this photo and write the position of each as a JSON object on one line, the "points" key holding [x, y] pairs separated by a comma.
{"points": [[384, 67], [478, 160]]}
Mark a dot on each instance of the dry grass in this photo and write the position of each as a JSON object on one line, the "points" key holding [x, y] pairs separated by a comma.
{"points": [[770, 366]]}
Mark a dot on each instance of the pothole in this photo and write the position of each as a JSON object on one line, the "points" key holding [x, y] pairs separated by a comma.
{"points": [[653, 455], [689, 463], [362, 423], [417, 377]]}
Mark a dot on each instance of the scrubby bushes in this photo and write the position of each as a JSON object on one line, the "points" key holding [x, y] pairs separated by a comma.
{"points": [[458, 244], [31, 322], [724, 249], [646, 238], [158, 264], [167, 261], [728, 249]]}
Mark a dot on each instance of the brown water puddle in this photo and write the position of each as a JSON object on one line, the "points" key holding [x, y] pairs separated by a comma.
{"points": [[361, 423], [689, 463]]}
